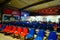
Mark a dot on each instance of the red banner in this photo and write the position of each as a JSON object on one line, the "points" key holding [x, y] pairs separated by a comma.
{"points": [[49, 11], [11, 11]]}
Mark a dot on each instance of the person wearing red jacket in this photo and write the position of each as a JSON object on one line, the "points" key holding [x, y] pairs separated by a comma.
{"points": [[55, 27]]}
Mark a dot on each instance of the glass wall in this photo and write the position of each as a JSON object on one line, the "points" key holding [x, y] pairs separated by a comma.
{"points": [[52, 18]]}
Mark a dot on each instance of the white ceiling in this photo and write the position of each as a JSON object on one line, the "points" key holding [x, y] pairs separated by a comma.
{"points": [[23, 3], [31, 1], [44, 5]]}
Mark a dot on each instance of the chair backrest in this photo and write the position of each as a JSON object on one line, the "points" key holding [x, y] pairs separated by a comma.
{"points": [[30, 33], [38, 38], [24, 32], [13, 29], [10, 27], [40, 35], [18, 30], [52, 36]]}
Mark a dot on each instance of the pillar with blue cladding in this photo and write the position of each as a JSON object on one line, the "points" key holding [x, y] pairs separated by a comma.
{"points": [[52, 36], [40, 35], [30, 33]]}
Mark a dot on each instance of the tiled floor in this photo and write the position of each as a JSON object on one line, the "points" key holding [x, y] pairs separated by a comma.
{"points": [[3, 37]]}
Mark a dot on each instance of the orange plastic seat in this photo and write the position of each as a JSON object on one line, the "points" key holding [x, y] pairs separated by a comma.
{"points": [[24, 32], [13, 29], [10, 27], [18, 31]]}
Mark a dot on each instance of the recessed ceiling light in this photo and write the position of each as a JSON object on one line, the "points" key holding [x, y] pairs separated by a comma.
{"points": [[9, 3]]}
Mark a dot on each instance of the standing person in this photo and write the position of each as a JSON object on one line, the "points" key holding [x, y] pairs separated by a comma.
{"points": [[55, 27]]}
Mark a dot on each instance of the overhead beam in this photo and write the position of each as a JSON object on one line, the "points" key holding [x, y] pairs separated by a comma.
{"points": [[36, 4]]}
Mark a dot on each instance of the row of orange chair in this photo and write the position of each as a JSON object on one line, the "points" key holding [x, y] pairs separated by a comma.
{"points": [[14, 30]]}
